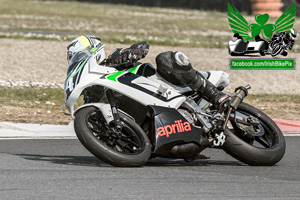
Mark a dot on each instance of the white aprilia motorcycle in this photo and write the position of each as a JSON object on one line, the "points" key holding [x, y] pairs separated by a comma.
{"points": [[129, 116]]}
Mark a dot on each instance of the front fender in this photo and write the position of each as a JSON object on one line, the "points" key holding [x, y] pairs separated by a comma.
{"points": [[103, 107]]}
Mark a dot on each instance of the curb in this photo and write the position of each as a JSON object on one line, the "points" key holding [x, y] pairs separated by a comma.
{"points": [[10, 130], [290, 127]]}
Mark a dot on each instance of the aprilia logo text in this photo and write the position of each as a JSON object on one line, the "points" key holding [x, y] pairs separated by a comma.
{"points": [[178, 127]]}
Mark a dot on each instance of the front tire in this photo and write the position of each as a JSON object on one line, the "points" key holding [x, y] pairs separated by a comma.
{"points": [[277, 48], [128, 148], [267, 149]]}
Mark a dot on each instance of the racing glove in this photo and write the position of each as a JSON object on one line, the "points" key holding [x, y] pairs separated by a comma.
{"points": [[129, 55]]}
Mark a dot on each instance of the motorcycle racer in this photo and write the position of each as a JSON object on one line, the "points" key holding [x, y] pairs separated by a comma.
{"points": [[131, 114], [285, 39], [172, 66], [120, 58], [80, 44]]}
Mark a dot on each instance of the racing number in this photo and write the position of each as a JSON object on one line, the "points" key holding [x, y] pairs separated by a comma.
{"points": [[69, 86]]}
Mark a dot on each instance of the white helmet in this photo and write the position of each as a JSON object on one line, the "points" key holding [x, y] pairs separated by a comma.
{"points": [[81, 43]]}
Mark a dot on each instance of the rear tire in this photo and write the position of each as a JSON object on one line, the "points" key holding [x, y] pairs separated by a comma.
{"points": [[243, 148], [285, 53], [129, 148]]}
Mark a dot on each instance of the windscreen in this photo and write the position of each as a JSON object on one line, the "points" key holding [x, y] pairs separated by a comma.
{"points": [[76, 58]]}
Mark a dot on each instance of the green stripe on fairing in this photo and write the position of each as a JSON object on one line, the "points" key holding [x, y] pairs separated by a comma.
{"points": [[133, 70], [113, 76], [78, 69]]}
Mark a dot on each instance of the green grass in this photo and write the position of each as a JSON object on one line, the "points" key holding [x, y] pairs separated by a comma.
{"points": [[11, 96], [31, 96], [116, 23], [27, 102], [113, 23]]}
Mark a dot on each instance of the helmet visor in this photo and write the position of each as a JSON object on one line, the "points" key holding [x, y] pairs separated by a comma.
{"points": [[77, 58], [69, 55]]}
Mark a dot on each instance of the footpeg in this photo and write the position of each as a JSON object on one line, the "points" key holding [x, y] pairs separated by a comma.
{"points": [[219, 140]]}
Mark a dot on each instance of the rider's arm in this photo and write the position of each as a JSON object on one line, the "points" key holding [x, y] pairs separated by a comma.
{"points": [[127, 56]]}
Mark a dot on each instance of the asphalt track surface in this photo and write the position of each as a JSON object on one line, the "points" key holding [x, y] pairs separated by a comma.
{"points": [[64, 169]]}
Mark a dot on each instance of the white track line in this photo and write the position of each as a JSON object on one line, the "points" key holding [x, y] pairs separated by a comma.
{"points": [[30, 131], [291, 134]]}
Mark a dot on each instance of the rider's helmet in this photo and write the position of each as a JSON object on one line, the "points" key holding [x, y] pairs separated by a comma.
{"points": [[293, 33], [81, 43]]}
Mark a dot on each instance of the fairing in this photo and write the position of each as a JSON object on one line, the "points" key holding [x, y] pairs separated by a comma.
{"points": [[138, 88], [171, 128]]}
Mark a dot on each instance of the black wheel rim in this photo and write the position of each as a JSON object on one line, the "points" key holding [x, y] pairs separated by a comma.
{"points": [[276, 50], [268, 140], [126, 141]]}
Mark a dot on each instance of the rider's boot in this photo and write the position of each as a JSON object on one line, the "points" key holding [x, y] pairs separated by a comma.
{"points": [[208, 91]]}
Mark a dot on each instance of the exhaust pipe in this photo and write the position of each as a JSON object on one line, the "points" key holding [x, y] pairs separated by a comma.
{"points": [[186, 150]]}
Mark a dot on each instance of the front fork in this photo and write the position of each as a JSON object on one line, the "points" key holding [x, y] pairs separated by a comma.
{"points": [[240, 93], [112, 101]]}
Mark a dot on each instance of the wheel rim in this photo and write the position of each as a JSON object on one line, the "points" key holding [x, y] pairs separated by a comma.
{"points": [[126, 141], [276, 50], [268, 140]]}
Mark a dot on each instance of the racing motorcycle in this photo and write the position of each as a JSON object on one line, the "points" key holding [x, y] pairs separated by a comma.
{"points": [[127, 117], [281, 42], [238, 47], [279, 45]]}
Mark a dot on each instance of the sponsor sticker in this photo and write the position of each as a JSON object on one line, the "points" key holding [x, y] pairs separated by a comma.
{"points": [[177, 127]]}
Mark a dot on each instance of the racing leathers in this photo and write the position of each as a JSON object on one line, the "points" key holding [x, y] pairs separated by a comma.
{"points": [[172, 66], [176, 68]]}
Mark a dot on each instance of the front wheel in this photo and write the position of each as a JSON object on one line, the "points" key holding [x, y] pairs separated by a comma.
{"points": [[128, 147], [266, 147], [277, 48]]}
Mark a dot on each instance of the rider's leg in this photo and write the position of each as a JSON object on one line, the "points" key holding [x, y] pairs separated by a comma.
{"points": [[208, 91], [177, 66]]}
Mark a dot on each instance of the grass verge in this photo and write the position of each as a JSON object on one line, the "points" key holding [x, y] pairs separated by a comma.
{"points": [[35, 105], [63, 20], [32, 105]]}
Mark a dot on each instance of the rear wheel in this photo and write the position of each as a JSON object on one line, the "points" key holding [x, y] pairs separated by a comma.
{"points": [[285, 53], [262, 53], [127, 147], [266, 147]]}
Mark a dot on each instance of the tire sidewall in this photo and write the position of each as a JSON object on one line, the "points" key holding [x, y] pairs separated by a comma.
{"points": [[249, 154], [101, 150]]}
